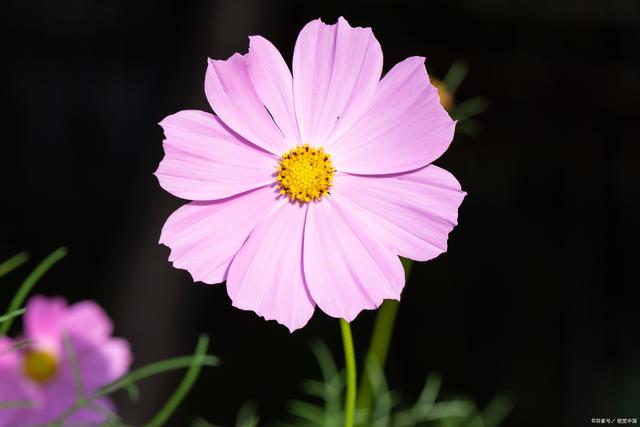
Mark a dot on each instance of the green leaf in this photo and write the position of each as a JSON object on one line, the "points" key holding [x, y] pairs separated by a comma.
{"points": [[456, 74], [11, 315], [431, 389], [29, 283], [468, 127], [247, 415], [198, 360], [305, 410], [157, 368], [470, 108], [497, 410], [325, 360], [14, 262]]}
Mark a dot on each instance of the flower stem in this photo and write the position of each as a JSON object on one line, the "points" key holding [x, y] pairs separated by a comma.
{"points": [[379, 347], [350, 363]]}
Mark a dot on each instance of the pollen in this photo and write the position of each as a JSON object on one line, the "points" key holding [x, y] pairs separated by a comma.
{"points": [[305, 173], [40, 365]]}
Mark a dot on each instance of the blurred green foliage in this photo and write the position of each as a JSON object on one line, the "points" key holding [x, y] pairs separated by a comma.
{"points": [[324, 401]]}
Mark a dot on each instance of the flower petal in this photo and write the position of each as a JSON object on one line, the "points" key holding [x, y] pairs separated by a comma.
{"points": [[86, 318], [204, 160], [272, 81], [404, 129], [205, 236], [336, 69], [99, 363], [266, 275], [346, 268], [14, 387], [233, 98], [92, 416], [412, 213], [44, 321]]}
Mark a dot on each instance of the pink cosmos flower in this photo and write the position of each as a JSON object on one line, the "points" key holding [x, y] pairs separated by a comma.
{"points": [[37, 381], [305, 188]]}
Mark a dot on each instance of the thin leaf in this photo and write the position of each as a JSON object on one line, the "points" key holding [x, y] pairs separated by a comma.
{"points": [[247, 415], [470, 108], [29, 282], [497, 410], [154, 369], [133, 391], [12, 263], [451, 408], [325, 360], [185, 385], [431, 389], [11, 315], [201, 422], [456, 74], [305, 410], [469, 127]]}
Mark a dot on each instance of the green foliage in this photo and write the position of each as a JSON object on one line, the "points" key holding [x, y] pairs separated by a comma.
{"points": [[247, 417], [464, 111], [323, 408]]}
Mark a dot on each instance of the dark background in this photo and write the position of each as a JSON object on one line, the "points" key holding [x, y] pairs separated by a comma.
{"points": [[536, 294]]}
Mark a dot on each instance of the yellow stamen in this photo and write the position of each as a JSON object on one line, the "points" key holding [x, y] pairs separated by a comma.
{"points": [[40, 365], [305, 173]]}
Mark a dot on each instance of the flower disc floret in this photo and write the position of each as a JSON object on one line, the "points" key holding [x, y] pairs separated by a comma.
{"points": [[40, 365], [305, 173]]}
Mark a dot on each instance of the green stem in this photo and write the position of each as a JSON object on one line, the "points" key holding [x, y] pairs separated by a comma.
{"points": [[379, 347], [28, 284], [350, 363], [187, 382]]}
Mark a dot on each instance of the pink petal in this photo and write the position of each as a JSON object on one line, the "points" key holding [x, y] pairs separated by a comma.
{"points": [[204, 160], [205, 236], [404, 129], [336, 69], [88, 319], [233, 98], [412, 213], [56, 397], [8, 355], [272, 81], [98, 364], [92, 416], [13, 385], [266, 275], [101, 358], [346, 268], [44, 320]]}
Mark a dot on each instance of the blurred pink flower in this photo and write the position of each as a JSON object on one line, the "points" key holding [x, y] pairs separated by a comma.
{"points": [[307, 187], [40, 376]]}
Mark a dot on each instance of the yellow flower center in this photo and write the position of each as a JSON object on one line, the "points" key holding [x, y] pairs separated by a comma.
{"points": [[305, 173], [40, 365]]}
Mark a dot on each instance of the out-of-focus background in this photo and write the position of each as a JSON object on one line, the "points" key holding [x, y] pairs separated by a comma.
{"points": [[538, 293]]}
